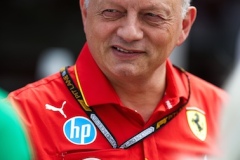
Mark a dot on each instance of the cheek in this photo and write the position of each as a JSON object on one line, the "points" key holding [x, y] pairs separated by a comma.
{"points": [[160, 40], [168, 40], [99, 35], [163, 44]]}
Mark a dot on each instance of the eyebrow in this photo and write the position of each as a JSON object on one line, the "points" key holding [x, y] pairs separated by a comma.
{"points": [[160, 8], [149, 7]]}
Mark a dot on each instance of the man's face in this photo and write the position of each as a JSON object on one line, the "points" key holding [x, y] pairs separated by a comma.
{"points": [[132, 37]]}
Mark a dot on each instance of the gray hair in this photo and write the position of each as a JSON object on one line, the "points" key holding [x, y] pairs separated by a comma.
{"points": [[186, 4], [86, 2]]}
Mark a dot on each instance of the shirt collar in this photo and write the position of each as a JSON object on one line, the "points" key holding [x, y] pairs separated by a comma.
{"points": [[95, 87], [97, 90], [177, 90]]}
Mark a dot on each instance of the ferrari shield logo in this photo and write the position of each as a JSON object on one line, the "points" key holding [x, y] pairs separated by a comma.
{"points": [[197, 122]]}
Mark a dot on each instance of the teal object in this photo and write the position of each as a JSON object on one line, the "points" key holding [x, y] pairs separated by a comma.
{"points": [[14, 142]]}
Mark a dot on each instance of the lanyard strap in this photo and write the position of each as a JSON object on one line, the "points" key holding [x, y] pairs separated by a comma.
{"points": [[100, 125]]}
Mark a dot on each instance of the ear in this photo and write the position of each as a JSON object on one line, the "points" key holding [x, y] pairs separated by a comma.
{"points": [[187, 24], [83, 11]]}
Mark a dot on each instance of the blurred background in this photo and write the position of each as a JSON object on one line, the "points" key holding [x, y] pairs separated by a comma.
{"points": [[50, 31]]}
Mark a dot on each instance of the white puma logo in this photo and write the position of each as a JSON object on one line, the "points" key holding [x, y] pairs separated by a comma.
{"points": [[50, 107]]}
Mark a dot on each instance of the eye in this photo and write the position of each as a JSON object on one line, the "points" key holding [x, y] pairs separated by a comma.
{"points": [[112, 14], [152, 18]]}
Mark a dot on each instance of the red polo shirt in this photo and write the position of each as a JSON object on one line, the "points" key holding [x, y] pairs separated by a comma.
{"points": [[60, 129]]}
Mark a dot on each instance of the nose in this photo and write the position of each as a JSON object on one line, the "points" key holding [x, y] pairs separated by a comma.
{"points": [[130, 30]]}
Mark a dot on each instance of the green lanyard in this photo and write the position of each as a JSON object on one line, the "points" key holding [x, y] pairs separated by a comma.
{"points": [[104, 130]]}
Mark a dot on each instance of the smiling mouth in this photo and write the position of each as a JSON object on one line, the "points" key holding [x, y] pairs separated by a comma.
{"points": [[126, 51]]}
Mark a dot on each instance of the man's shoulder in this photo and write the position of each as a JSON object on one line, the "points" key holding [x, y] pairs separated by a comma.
{"points": [[204, 88], [38, 85], [47, 85], [200, 82], [201, 87]]}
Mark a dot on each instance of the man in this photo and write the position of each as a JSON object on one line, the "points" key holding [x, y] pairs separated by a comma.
{"points": [[123, 99]]}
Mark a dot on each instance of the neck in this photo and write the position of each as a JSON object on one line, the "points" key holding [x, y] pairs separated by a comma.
{"points": [[142, 94]]}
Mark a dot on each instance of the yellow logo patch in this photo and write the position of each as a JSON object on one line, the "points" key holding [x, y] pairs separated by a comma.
{"points": [[197, 122]]}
